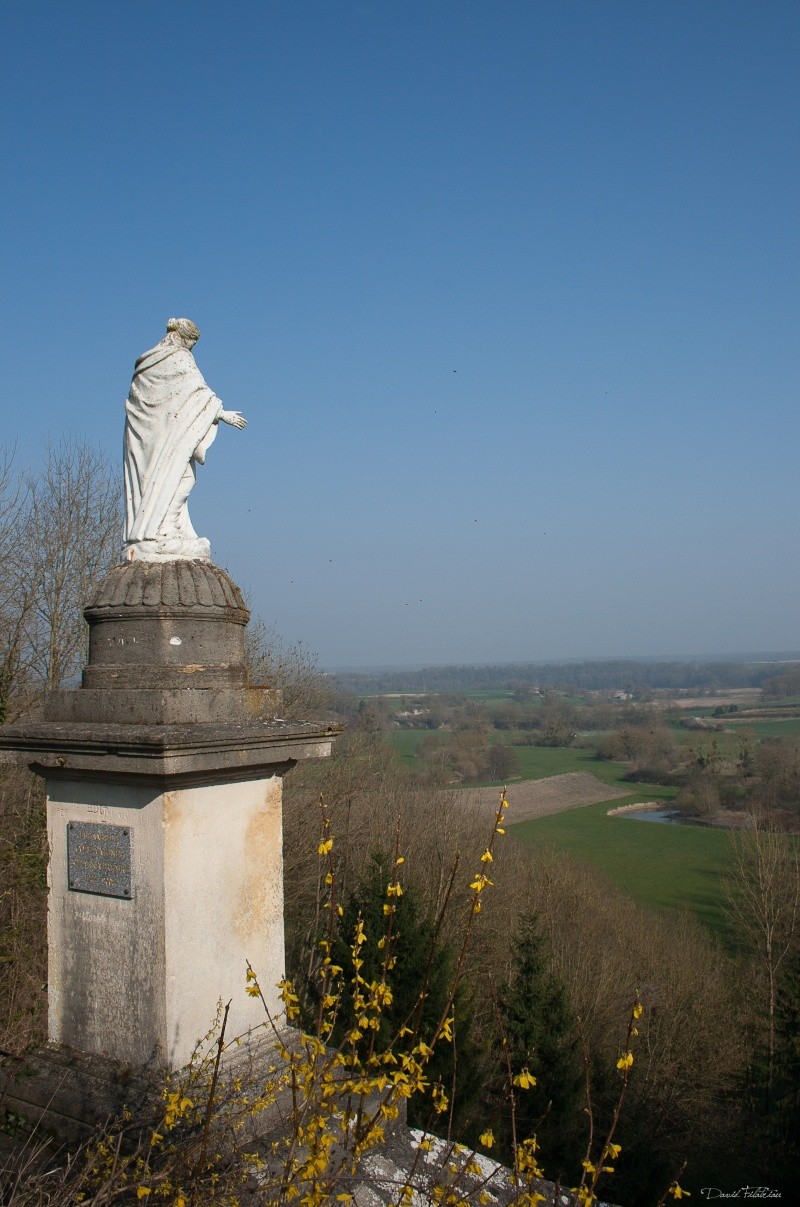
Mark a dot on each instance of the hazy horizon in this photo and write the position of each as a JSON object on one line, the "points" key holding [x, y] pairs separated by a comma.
{"points": [[776, 658]]}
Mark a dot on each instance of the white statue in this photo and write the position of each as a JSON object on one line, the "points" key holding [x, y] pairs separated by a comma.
{"points": [[171, 422]]}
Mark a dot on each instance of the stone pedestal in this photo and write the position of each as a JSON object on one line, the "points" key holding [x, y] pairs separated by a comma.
{"points": [[164, 774]]}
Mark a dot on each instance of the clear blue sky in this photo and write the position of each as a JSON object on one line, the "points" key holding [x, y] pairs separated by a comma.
{"points": [[507, 290]]}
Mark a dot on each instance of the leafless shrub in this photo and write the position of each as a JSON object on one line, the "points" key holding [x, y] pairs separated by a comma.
{"points": [[290, 668], [59, 532], [764, 901]]}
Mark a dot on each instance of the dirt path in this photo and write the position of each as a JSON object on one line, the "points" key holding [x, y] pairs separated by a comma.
{"points": [[538, 798]]}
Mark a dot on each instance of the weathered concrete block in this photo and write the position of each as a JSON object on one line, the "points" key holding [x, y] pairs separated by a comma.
{"points": [[140, 979]]}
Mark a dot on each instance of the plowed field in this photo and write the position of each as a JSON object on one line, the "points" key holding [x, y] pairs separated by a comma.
{"points": [[538, 798]]}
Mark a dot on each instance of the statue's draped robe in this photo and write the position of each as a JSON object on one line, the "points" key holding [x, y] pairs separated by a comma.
{"points": [[170, 420]]}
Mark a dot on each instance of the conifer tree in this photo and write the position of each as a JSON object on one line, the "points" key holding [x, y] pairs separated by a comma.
{"points": [[420, 982], [540, 1033]]}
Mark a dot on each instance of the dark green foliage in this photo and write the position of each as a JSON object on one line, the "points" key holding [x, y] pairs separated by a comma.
{"points": [[773, 1102], [421, 984], [540, 1032], [786, 1099]]}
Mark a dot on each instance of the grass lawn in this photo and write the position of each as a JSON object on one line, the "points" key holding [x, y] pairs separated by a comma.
{"points": [[666, 867]]}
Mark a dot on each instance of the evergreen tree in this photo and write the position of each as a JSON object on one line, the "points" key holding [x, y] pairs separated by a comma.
{"points": [[540, 1032], [420, 982], [768, 1090], [782, 1124]]}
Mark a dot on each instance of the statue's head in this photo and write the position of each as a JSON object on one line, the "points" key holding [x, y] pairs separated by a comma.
{"points": [[183, 331]]}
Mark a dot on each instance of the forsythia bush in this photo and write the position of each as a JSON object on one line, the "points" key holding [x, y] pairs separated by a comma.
{"points": [[287, 1117]]}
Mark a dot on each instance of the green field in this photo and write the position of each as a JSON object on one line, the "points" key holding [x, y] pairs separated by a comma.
{"points": [[664, 867], [776, 727], [538, 762], [406, 741], [490, 694]]}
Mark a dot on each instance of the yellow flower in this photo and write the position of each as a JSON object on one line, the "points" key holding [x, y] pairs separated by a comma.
{"points": [[638, 1010], [486, 1138], [142, 1192], [394, 890], [625, 1061], [487, 856], [525, 1080], [612, 1150], [325, 847], [678, 1192]]}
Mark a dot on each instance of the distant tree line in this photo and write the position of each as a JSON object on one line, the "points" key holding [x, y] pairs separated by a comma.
{"points": [[613, 675], [783, 686]]}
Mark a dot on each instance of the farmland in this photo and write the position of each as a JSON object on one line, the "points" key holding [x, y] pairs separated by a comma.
{"points": [[663, 867]]}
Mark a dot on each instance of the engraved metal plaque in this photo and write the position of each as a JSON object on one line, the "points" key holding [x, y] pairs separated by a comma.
{"points": [[99, 859]]}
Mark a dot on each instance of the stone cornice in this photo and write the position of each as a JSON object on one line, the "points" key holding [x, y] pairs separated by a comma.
{"points": [[163, 753]]}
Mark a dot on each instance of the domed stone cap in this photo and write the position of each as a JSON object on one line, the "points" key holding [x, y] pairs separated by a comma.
{"points": [[167, 587]]}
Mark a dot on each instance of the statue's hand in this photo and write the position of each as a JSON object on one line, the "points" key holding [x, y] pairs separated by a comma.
{"points": [[234, 418]]}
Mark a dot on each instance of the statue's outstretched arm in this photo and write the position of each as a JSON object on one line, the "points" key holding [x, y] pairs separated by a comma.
{"points": [[234, 418]]}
